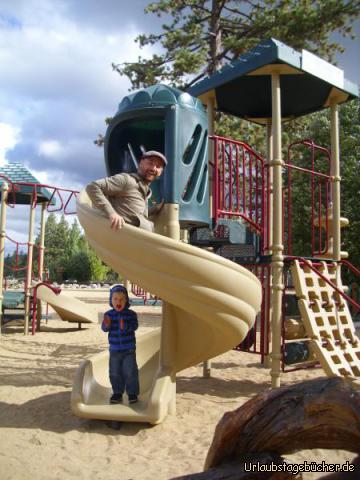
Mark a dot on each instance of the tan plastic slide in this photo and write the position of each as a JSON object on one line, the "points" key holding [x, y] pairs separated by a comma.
{"points": [[209, 305], [68, 308]]}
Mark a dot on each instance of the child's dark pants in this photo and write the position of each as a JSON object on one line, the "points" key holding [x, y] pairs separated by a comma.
{"points": [[123, 372]]}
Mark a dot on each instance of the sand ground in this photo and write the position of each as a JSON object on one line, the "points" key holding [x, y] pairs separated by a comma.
{"points": [[40, 438]]}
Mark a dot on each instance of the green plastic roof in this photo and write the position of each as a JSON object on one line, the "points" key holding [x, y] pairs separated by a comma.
{"points": [[243, 87], [158, 96], [16, 172]]}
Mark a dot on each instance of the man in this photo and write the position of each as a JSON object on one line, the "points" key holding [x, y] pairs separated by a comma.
{"points": [[124, 197]]}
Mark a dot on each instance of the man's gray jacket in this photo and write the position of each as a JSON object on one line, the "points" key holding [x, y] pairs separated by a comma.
{"points": [[126, 194]]}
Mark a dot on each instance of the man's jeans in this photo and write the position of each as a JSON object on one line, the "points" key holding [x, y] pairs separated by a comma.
{"points": [[123, 372]]}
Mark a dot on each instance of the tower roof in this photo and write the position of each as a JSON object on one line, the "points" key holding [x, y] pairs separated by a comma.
{"points": [[243, 87], [18, 173]]}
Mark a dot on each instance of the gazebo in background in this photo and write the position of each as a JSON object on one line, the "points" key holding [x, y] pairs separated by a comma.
{"points": [[19, 187]]}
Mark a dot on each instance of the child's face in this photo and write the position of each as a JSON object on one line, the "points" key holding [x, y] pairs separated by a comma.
{"points": [[118, 300]]}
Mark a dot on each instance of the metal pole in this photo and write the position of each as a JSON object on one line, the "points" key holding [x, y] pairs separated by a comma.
{"points": [[211, 130], [335, 173], [4, 193], [29, 267], [277, 264], [42, 242], [269, 232], [269, 200]]}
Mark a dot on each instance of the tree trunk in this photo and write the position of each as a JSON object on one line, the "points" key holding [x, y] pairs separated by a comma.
{"points": [[215, 37], [321, 413]]}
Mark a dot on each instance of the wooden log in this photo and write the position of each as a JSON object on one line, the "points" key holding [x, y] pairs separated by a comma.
{"points": [[321, 413]]}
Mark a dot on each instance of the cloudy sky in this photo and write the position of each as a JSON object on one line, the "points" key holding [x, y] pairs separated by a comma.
{"points": [[57, 85]]}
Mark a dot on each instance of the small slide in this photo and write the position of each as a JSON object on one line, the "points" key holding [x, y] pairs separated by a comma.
{"points": [[209, 305], [68, 308]]}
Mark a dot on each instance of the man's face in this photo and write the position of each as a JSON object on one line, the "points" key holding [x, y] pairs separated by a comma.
{"points": [[118, 300], [150, 168]]}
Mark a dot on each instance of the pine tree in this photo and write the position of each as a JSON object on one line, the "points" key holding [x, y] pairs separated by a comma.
{"points": [[203, 35]]}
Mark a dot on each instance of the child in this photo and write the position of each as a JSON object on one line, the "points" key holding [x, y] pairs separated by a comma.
{"points": [[121, 323]]}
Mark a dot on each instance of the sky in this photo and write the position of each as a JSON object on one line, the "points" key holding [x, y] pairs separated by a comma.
{"points": [[57, 85]]}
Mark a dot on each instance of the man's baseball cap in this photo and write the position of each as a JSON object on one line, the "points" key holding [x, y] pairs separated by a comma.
{"points": [[154, 153]]}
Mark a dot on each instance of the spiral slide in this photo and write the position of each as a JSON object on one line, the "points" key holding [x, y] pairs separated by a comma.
{"points": [[209, 305]]}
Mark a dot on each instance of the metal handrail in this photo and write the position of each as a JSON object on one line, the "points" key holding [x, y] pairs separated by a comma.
{"points": [[318, 181], [15, 186], [351, 267], [326, 280], [240, 184]]}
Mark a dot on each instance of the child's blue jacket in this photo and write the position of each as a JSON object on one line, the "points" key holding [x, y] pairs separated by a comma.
{"points": [[122, 329]]}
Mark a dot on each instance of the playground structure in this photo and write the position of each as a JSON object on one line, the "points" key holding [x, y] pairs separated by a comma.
{"points": [[244, 212], [221, 195], [19, 187]]}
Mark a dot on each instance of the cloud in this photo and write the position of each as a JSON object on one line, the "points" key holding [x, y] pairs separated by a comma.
{"points": [[58, 86], [9, 136], [50, 148]]}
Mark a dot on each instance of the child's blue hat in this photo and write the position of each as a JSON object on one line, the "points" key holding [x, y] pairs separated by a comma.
{"points": [[122, 289]]}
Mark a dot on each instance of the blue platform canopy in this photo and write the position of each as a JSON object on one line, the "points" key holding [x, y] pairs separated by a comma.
{"points": [[19, 175], [243, 87]]}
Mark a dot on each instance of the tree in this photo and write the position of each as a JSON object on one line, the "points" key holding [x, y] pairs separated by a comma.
{"points": [[74, 239], [56, 240], [78, 266], [350, 168], [203, 35], [317, 127], [85, 266]]}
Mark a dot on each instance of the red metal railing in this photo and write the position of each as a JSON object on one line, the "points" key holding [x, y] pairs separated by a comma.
{"points": [[351, 267], [356, 271], [64, 195], [320, 196], [240, 184], [312, 267], [139, 292], [16, 267]]}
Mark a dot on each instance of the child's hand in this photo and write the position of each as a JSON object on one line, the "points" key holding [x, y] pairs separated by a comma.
{"points": [[106, 321]]}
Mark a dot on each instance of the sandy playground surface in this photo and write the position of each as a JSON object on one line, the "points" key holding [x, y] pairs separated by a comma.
{"points": [[40, 438]]}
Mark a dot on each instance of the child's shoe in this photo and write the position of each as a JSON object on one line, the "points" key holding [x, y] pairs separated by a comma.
{"points": [[133, 398], [116, 398]]}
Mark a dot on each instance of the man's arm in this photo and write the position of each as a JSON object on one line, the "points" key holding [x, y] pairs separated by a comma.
{"points": [[99, 192]]}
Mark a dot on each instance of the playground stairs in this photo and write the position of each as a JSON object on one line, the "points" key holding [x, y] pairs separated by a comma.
{"points": [[326, 318]]}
